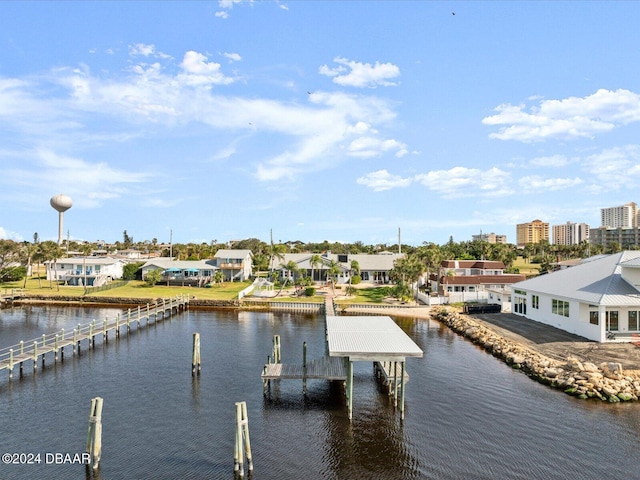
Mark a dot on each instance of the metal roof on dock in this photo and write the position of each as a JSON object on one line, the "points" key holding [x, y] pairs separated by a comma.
{"points": [[373, 338]]}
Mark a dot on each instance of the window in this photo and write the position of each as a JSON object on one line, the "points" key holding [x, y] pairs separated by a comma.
{"points": [[535, 301], [593, 318], [520, 305], [633, 320], [612, 321], [560, 307]]}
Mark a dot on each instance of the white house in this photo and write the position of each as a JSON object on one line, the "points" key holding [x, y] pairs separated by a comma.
{"points": [[598, 299], [237, 265], [97, 271], [373, 268]]}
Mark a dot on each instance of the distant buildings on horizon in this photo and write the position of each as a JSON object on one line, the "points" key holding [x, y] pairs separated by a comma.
{"points": [[618, 225]]}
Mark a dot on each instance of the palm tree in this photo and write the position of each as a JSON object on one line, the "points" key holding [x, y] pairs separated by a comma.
{"points": [[51, 252], [277, 251], [86, 250], [315, 261], [29, 250], [293, 269], [334, 269]]}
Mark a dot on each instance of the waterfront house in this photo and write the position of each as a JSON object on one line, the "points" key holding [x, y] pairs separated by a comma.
{"points": [[598, 299], [95, 271], [236, 265], [463, 276], [373, 268], [181, 272]]}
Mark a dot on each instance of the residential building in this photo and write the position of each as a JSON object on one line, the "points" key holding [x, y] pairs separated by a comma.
{"points": [[373, 268], [490, 238], [236, 265], [570, 233], [95, 271], [624, 216], [471, 276], [182, 272], [532, 232], [598, 299], [627, 238]]}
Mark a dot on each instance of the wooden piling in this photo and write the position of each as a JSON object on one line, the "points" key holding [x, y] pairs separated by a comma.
{"points": [[35, 357], [304, 368], [195, 354], [277, 357], [94, 435], [242, 444], [10, 363]]}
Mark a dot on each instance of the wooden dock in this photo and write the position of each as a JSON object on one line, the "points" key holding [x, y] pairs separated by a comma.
{"points": [[32, 350], [9, 296], [323, 368]]}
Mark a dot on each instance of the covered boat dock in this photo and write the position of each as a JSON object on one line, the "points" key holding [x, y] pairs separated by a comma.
{"points": [[371, 338]]}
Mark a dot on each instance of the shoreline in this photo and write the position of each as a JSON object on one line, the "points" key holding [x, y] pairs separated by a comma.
{"points": [[607, 381]]}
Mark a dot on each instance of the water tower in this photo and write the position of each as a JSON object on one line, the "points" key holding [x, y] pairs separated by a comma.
{"points": [[61, 203]]}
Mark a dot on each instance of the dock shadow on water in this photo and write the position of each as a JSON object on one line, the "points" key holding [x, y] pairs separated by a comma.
{"points": [[467, 414]]}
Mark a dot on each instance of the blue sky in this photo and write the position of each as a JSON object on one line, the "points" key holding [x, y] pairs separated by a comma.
{"points": [[339, 121]]}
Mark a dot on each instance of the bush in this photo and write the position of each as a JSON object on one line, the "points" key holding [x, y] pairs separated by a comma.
{"points": [[12, 274], [130, 270], [310, 291], [356, 279]]}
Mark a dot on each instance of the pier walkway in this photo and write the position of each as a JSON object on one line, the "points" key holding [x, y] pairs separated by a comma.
{"points": [[54, 343], [8, 296]]}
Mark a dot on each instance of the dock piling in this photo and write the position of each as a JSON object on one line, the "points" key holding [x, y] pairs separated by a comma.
{"points": [[242, 444], [304, 368], [94, 435], [195, 354]]}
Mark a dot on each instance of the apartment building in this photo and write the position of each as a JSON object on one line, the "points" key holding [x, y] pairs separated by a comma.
{"points": [[570, 233], [532, 232], [489, 238]]}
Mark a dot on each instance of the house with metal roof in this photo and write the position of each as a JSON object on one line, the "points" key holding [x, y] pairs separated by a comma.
{"points": [[373, 268], [598, 299], [181, 272], [87, 271]]}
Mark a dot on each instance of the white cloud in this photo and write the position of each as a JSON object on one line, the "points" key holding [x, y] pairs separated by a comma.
{"points": [[615, 168], [461, 182], [309, 137], [550, 161], [8, 235], [141, 49], [90, 182], [539, 184], [382, 180], [198, 71], [233, 57], [361, 74], [569, 118]]}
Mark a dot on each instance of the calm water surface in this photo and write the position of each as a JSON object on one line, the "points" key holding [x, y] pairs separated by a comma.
{"points": [[468, 416]]}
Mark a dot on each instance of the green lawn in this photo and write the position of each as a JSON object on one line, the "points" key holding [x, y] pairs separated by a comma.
{"points": [[525, 267], [368, 295], [134, 289]]}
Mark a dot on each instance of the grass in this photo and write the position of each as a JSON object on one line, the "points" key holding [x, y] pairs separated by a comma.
{"points": [[368, 295], [222, 291], [134, 289], [525, 267]]}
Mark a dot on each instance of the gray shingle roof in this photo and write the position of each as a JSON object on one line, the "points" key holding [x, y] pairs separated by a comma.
{"points": [[597, 282]]}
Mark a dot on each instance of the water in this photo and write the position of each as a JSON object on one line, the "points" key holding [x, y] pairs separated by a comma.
{"points": [[467, 414]]}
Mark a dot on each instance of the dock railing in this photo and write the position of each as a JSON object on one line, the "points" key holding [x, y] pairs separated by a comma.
{"points": [[54, 342]]}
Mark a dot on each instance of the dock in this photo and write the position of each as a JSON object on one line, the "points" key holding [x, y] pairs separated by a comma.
{"points": [[9, 296], [54, 344], [348, 338]]}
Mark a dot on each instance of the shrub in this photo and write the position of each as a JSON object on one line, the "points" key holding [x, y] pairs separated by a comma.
{"points": [[310, 291], [12, 274], [355, 280]]}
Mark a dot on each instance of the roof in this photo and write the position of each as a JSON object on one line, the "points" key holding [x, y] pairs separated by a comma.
{"points": [[481, 264], [382, 262], [597, 282], [369, 338], [90, 260], [481, 279], [166, 262]]}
